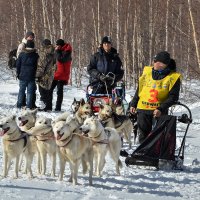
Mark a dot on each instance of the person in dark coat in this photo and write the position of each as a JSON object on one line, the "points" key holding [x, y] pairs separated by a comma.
{"points": [[158, 89], [26, 70], [105, 68], [63, 53]]}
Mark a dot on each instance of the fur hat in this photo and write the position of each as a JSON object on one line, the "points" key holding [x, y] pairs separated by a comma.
{"points": [[106, 39], [60, 42], [46, 42], [163, 57], [30, 44], [29, 33]]}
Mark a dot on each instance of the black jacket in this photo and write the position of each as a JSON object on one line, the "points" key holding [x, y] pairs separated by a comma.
{"points": [[172, 98], [27, 65], [103, 63]]}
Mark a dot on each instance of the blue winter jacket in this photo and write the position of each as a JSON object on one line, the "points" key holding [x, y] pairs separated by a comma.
{"points": [[27, 65]]}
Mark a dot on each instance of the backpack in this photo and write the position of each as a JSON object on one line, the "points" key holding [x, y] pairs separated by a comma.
{"points": [[12, 57]]}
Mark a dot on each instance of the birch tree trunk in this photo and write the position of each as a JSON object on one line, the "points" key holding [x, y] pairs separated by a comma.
{"points": [[53, 37], [61, 19], [117, 26], [16, 21], [23, 3], [44, 18], [166, 26], [194, 32], [33, 15]]}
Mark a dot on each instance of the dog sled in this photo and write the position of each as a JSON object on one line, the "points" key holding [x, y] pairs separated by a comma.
{"points": [[116, 98], [165, 146]]}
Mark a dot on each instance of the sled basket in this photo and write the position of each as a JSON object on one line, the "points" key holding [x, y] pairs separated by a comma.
{"points": [[159, 149]]}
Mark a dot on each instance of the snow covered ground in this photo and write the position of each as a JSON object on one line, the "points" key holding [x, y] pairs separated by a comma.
{"points": [[141, 183]]}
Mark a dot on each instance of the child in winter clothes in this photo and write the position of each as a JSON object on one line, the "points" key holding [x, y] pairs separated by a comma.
{"points": [[26, 70]]}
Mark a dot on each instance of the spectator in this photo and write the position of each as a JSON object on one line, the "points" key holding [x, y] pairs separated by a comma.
{"points": [[63, 53], [45, 73], [26, 70], [28, 36]]}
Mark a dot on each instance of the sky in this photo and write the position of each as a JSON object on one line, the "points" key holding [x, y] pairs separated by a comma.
{"points": [[135, 182]]}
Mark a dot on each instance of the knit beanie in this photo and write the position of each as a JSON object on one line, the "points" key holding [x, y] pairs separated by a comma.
{"points": [[46, 42], [29, 33], [163, 57], [60, 42], [106, 39]]}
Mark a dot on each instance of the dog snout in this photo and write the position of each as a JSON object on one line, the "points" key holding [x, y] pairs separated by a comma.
{"points": [[80, 128], [19, 118], [1, 126]]}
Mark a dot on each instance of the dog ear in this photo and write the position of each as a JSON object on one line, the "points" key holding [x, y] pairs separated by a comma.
{"points": [[82, 101], [74, 100], [34, 111], [13, 117], [101, 106], [110, 102]]}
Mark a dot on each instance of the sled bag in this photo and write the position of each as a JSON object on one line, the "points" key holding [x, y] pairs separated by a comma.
{"points": [[161, 141]]}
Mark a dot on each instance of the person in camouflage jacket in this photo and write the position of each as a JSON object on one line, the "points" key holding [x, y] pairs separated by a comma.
{"points": [[45, 73]]}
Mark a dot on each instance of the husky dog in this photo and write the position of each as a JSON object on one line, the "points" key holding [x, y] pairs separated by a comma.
{"points": [[27, 120], [83, 111], [15, 143], [121, 123], [45, 142], [104, 139], [62, 117], [73, 148], [75, 105]]}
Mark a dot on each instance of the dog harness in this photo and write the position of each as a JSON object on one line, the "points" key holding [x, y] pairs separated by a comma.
{"points": [[22, 136]]}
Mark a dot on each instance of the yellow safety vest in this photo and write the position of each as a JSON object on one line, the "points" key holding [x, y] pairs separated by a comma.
{"points": [[154, 92]]}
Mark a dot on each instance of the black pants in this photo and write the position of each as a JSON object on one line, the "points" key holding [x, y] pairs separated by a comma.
{"points": [[45, 97], [145, 123], [59, 85]]}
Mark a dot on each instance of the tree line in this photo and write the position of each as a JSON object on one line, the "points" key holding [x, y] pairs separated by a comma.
{"points": [[139, 29]]}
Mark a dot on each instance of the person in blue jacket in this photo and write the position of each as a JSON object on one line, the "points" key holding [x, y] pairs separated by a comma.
{"points": [[26, 70], [105, 68]]}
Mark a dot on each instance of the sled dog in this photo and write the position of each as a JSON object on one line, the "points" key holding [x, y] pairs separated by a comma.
{"points": [[15, 143], [75, 105], [27, 120], [83, 111], [45, 142], [73, 148], [62, 117], [104, 139], [121, 123]]}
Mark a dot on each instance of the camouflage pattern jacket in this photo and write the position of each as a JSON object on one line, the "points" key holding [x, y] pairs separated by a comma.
{"points": [[46, 67]]}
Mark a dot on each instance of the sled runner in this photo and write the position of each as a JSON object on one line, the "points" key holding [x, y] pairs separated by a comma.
{"points": [[160, 148]]}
